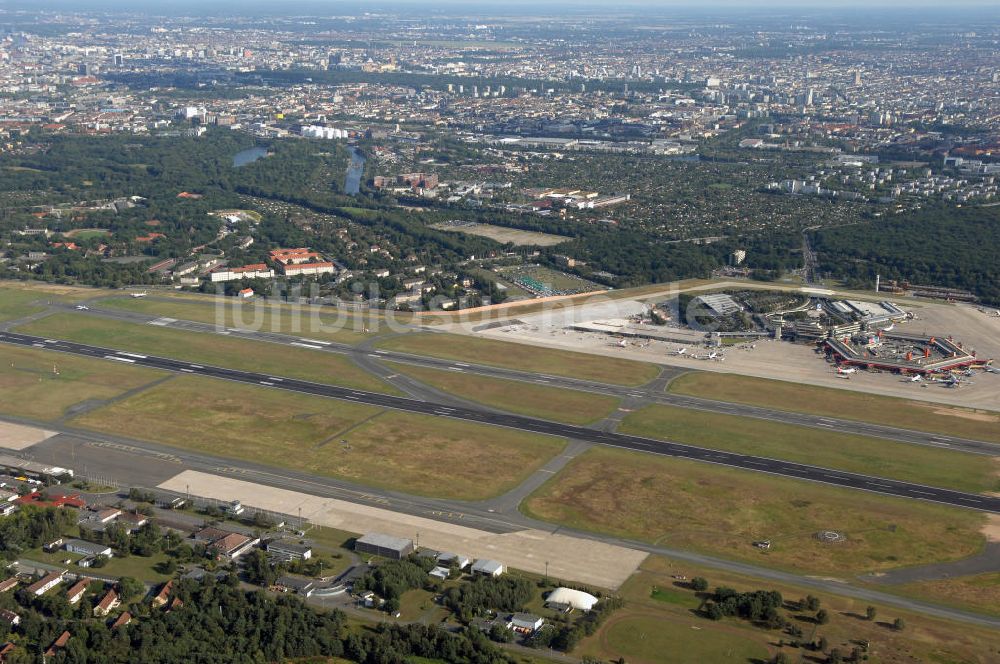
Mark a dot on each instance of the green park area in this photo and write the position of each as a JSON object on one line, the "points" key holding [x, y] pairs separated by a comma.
{"points": [[846, 404], [43, 385], [561, 405], [410, 453], [522, 357], [207, 348], [861, 454], [724, 511], [663, 622]]}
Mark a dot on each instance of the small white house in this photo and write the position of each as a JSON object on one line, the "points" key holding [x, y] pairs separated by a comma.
{"points": [[488, 567]]}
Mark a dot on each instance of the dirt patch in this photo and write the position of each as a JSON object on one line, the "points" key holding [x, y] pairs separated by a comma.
{"points": [[992, 528], [967, 414]]}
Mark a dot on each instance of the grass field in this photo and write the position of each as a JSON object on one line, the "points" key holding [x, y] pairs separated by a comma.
{"points": [[648, 638], [646, 620], [444, 458], [411, 453], [29, 388], [207, 348], [873, 456], [549, 403], [524, 358], [722, 511], [980, 593], [830, 402], [306, 321], [15, 303], [43, 291]]}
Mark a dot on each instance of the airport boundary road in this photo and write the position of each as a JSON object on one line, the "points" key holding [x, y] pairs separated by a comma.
{"points": [[839, 425], [634, 443]]}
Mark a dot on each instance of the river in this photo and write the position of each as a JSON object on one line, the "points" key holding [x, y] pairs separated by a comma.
{"points": [[352, 182]]}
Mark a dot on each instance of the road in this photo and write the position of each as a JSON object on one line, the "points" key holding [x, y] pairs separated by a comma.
{"points": [[370, 359], [482, 416]]}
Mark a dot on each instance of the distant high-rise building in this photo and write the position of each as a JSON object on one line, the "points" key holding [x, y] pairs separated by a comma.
{"points": [[334, 59], [857, 77], [119, 59], [84, 69]]}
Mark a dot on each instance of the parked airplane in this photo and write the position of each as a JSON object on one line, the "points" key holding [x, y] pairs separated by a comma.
{"points": [[992, 370], [622, 343], [916, 379], [142, 294], [710, 356], [682, 351], [82, 307], [848, 370]]}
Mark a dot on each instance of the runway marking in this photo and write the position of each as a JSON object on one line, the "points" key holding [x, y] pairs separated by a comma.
{"points": [[196, 366], [315, 341], [313, 346], [264, 382], [120, 359], [186, 370], [135, 355]]}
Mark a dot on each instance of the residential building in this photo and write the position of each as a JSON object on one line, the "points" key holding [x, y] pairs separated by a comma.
{"points": [[122, 620], [107, 604], [163, 595], [253, 271], [46, 583], [74, 594], [58, 644]]}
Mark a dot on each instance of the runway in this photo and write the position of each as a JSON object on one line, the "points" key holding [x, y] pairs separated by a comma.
{"points": [[368, 356], [483, 416]]}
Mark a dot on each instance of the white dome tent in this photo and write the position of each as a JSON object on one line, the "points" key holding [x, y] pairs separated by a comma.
{"points": [[567, 597]]}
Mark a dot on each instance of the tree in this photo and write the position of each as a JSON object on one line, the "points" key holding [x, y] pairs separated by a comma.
{"points": [[713, 611], [822, 617], [822, 644], [699, 584], [391, 605], [835, 657], [870, 612], [782, 658], [130, 588], [899, 624], [810, 603]]}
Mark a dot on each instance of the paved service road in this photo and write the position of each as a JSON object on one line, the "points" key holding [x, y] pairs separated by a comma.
{"points": [[369, 357], [634, 443]]}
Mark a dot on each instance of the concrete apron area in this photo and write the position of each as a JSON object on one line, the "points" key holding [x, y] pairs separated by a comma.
{"points": [[570, 558]]}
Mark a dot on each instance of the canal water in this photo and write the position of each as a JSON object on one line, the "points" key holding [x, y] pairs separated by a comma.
{"points": [[248, 156], [352, 182]]}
